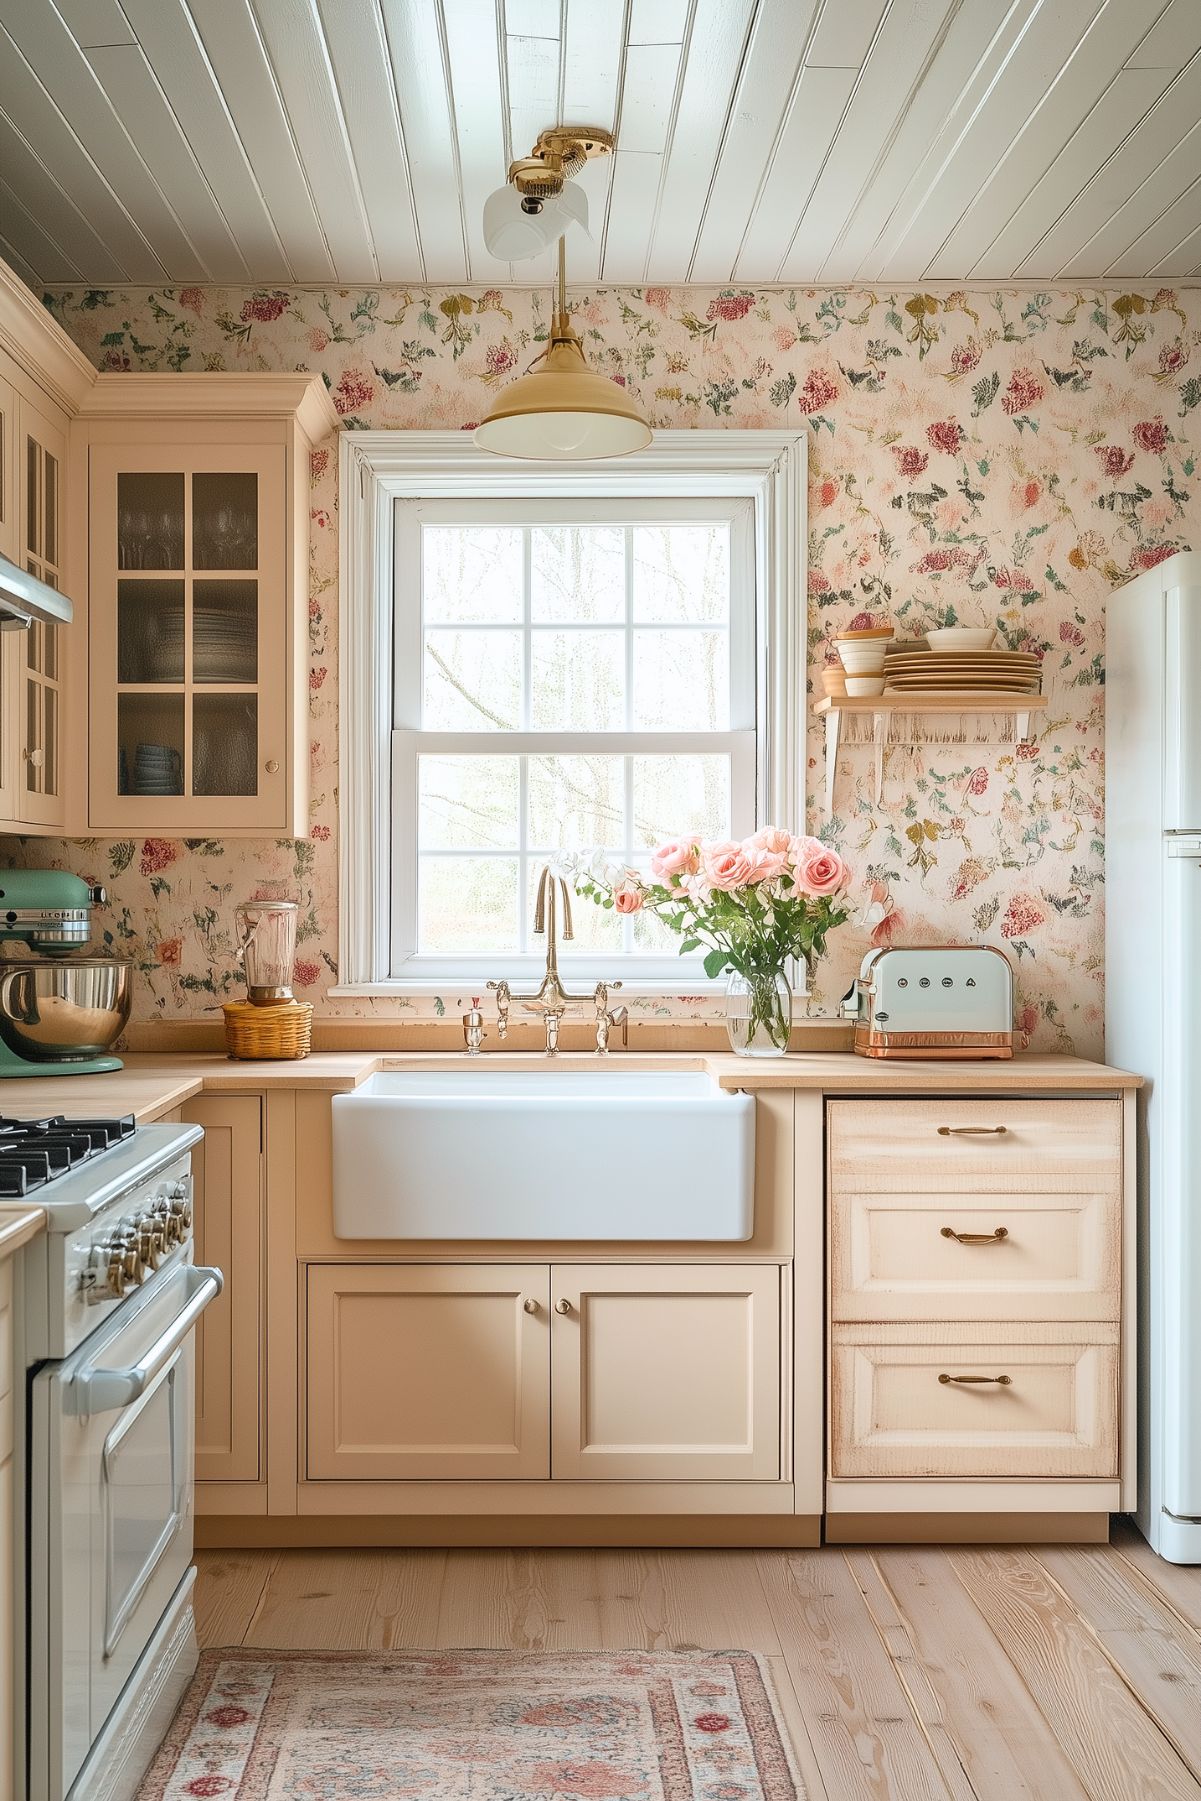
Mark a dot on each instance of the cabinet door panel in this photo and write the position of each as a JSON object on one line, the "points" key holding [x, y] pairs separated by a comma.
{"points": [[41, 474], [666, 1373], [1037, 1401], [227, 1188], [427, 1372]]}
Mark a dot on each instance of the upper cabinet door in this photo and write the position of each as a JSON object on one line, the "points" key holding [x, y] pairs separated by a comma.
{"points": [[10, 546], [189, 638], [666, 1373], [41, 513]]}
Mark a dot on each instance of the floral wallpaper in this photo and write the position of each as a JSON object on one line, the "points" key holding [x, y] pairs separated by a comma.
{"points": [[1001, 456]]}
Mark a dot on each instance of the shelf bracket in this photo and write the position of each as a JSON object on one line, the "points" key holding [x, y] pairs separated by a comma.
{"points": [[833, 732], [1021, 728]]}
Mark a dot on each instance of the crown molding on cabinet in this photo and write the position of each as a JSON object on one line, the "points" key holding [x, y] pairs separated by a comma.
{"points": [[40, 347], [214, 394]]}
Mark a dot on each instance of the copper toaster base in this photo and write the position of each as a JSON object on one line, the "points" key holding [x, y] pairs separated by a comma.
{"points": [[946, 1047]]}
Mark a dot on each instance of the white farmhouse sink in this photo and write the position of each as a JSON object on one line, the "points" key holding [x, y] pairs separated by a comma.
{"points": [[543, 1153]]}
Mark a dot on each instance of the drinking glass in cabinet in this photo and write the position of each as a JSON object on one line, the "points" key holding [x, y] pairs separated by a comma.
{"points": [[150, 514], [225, 521], [150, 735], [225, 631], [225, 744], [150, 618]]}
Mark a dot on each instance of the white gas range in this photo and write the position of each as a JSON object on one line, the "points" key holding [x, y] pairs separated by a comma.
{"points": [[108, 1303]]}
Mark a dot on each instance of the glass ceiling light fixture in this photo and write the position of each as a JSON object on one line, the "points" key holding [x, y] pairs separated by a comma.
{"points": [[559, 410]]}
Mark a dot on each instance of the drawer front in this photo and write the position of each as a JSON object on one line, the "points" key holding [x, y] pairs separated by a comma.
{"points": [[973, 1255], [6, 1329], [966, 1147], [893, 1415]]}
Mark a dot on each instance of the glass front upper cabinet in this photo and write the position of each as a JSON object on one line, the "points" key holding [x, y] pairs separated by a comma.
{"points": [[189, 637], [42, 453]]}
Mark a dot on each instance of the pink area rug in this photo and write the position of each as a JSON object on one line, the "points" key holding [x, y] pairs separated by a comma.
{"points": [[476, 1726]]}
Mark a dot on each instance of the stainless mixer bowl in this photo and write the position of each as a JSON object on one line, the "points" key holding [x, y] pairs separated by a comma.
{"points": [[64, 1011]]}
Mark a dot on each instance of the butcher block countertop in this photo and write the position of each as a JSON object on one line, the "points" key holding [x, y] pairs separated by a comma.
{"points": [[151, 1085]]}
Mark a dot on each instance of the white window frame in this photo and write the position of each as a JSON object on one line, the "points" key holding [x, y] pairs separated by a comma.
{"points": [[379, 468]]}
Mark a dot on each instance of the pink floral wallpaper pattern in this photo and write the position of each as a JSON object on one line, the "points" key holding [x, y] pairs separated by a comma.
{"points": [[1002, 456]]}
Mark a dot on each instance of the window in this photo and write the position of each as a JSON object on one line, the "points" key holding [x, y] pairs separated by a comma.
{"points": [[539, 660], [567, 678]]}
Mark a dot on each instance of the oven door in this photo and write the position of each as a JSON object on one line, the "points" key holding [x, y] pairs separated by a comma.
{"points": [[111, 1516]]}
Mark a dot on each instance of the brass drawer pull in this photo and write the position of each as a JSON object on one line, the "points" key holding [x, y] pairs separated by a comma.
{"points": [[971, 1131], [1002, 1381], [996, 1236]]}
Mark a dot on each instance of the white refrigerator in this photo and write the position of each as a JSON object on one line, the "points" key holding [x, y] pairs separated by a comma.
{"points": [[1153, 1010]]}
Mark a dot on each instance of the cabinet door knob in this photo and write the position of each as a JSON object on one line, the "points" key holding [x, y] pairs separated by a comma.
{"points": [[271, 766], [996, 1236], [563, 1306], [530, 1304]]}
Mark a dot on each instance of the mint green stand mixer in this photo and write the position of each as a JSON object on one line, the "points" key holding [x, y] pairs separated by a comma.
{"points": [[59, 1011]]}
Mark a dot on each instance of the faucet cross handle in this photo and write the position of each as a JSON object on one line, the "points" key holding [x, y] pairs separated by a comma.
{"points": [[503, 1001], [607, 1017]]}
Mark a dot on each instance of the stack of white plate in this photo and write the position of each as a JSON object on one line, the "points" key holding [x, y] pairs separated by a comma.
{"points": [[224, 645], [962, 672]]}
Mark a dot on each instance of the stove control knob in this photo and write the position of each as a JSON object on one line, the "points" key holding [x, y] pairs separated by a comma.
{"points": [[125, 1267], [181, 1207], [151, 1239], [168, 1222]]}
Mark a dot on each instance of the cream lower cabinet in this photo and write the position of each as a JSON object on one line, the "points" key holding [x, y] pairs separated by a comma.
{"points": [[571, 1372], [8, 1618], [665, 1373], [227, 1182]]}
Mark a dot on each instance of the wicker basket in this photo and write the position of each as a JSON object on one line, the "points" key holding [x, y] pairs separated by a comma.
{"points": [[259, 1033]]}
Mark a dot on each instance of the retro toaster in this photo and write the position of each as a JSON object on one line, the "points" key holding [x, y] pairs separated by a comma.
{"points": [[936, 1001]]}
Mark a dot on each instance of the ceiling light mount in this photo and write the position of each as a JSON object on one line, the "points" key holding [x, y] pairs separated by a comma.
{"points": [[557, 158]]}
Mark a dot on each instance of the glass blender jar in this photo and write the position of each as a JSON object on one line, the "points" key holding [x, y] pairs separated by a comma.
{"points": [[267, 949]]}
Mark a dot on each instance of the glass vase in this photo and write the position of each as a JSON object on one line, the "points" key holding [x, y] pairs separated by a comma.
{"points": [[759, 1013]]}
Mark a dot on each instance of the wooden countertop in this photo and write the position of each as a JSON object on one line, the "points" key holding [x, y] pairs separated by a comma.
{"points": [[18, 1224], [150, 1085]]}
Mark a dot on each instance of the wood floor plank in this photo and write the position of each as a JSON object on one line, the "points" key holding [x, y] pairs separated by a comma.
{"points": [[229, 1587], [349, 1600], [521, 1600], [1176, 1583], [865, 1735], [706, 1600], [1115, 1748], [1008, 1749], [1141, 1637], [798, 1735]]}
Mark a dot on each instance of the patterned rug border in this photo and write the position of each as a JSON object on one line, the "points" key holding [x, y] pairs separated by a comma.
{"points": [[762, 1711]]}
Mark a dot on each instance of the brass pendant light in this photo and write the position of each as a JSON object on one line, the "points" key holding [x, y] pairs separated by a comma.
{"points": [[560, 410]]}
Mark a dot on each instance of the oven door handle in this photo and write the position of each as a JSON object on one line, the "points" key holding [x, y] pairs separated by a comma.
{"points": [[102, 1390]]}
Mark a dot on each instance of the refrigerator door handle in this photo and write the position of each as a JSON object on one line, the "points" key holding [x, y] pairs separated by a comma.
{"points": [[1184, 847]]}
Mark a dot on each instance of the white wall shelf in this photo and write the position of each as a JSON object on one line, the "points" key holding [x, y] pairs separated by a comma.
{"points": [[884, 707]]}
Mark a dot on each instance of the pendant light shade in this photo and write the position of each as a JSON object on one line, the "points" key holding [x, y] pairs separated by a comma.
{"points": [[561, 410]]}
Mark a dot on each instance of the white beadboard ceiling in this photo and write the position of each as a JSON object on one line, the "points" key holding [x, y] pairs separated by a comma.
{"points": [[758, 141]]}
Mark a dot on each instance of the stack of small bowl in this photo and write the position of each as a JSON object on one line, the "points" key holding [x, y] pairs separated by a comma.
{"points": [[861, 651]]}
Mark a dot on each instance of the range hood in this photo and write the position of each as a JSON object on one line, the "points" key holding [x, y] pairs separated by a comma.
{"points": [[23, 598]]}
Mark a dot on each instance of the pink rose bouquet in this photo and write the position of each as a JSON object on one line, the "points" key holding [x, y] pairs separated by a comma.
{"points": [[751, 904]]}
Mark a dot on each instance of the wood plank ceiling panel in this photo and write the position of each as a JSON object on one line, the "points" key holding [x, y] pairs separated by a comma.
{"points": [[59, 215], [137, 100], [16, 262], [952, 174], [593, 59], [230, 36], [1181, 261], [1172, 40], [367, 97], [32, 242], [96, 22], [34, 115], [473, 46], [1081, 84], [173, 49], [895, 63], [532, 74], [65, 75], [1173, 213], [648, 103], [714, 53], [294, 41], [769, 72], [1134, 162]]}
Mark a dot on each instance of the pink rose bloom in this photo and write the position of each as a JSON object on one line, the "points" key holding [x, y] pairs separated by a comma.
{"points": [[773, 838], [627, 897], [678, 857], [821, 872], [727, 865], [801, 848], [765, 864]]}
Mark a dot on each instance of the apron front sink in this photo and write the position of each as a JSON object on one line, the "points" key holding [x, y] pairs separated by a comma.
{"points": [[546, 1153]]}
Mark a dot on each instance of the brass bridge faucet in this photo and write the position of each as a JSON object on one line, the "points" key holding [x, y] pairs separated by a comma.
{"points": [[551, 1000]]}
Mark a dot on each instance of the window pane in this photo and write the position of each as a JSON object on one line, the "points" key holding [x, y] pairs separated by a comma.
{"points": [[468, 803], [596, 928], [471, 573], [467, 904], [576, 803], [681, 681], [682, 574], [472, 681], [577, 681], [577, 572], [680, 797]]}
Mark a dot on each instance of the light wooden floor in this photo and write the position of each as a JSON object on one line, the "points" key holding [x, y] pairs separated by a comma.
{"points": [[903, 1674]]}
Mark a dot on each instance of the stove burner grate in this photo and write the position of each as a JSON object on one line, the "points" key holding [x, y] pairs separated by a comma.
{"points": [[35, 1151]]}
